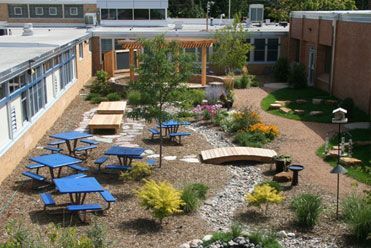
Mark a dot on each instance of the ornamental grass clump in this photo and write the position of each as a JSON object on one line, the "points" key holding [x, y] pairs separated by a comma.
{"points": [[307, 208], [161, 198], [138, 171], [264, 195], [192, 195]]}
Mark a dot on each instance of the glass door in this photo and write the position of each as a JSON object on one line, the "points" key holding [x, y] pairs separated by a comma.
{"points": [[311, 66]]}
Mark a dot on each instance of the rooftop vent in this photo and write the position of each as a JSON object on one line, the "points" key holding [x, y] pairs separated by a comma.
{"points": [[256, 12], [27, 29], [178, 25]]}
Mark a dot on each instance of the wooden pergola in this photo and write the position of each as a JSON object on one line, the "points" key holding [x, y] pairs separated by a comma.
{"points": [[133, 45]]}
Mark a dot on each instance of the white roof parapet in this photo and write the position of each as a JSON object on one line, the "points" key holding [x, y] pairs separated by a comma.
{"points": [[343, 15]]}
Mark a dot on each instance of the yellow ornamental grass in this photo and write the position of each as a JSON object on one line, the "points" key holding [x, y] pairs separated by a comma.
{"points": [[138, 171], [161, 198], [264, 194]]}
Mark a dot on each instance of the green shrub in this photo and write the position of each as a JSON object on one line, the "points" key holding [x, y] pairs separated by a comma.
{"points": [[114, 96], [91, 95], [98, 235], [18, 236], [357, 214], [235, 231], [138, 171], [245, 81], [276, 185], [348, 105], [297, 77], [266, 239], [220, 117], [237, 84], [307, 208], [281, 70], [255, 139], [134, 97], [189, 98], [100, 85], [97, 99], [241, 120], [192, 195]]}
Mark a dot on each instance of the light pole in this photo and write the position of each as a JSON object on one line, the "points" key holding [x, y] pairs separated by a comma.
{"points": [[339, 118], [229, 10], [208, 5]]}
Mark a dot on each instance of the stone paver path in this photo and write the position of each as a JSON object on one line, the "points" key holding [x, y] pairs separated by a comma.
{"points": [[300, 140]]}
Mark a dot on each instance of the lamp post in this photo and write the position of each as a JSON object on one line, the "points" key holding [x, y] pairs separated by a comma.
{"points": [[208, 6], [339, 118], [229, 9]]}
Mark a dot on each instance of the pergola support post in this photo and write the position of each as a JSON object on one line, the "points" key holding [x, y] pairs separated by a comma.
{"points": [[132, 63], [203, 66]]}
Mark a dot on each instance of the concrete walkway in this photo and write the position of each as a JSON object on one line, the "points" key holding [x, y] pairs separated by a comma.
{"points": [[300, 140]]}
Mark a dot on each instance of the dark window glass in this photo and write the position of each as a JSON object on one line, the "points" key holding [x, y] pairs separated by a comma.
{"points": [[272, 50], [104, 14], [48, 65], [328, 58], [125, 14], [106, 45], [73, 11], [248, 41], [123, 60], [141, 14], [259, 50], [157, 14], [24, 106], [18, 10], [2, 91], [42, 11], [109, 14]]}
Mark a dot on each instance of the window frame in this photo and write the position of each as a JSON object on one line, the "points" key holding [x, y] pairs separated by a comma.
{"points": [[74, 13], [19, 9], [81, 50], [53, 14], [39, 8]]}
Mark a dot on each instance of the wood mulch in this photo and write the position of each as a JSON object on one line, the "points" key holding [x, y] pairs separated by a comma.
{"points": [[128, 223]]}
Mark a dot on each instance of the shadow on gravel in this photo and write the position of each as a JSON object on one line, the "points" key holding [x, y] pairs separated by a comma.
{"points": [[251, 216], [142, 226]]}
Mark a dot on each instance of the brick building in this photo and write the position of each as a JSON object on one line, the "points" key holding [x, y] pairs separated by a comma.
{"points": [[335, 47]]}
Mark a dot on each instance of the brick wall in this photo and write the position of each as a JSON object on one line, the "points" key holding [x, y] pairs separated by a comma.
{"points": [[3, 12], [30, 139]]}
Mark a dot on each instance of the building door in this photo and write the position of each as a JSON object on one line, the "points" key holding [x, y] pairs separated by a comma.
{"points": [[311, 66]]}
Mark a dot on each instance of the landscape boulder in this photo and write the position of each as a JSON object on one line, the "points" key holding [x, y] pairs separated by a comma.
{"points": [[283, 177]]}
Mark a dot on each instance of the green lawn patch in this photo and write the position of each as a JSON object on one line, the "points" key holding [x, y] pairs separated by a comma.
{"points": [[361, 173], [307, 94]]}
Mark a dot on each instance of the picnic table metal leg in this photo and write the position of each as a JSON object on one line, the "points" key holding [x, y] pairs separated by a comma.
{"points": [[68, 143], [51, 173], [59, 172], [83, 198]]}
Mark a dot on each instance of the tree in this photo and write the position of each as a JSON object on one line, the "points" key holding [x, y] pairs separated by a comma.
{"points": [[163, 71], [231, 48], [282, 10]]}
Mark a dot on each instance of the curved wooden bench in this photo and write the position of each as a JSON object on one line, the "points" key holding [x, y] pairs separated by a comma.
{"points": [[230, 154]]}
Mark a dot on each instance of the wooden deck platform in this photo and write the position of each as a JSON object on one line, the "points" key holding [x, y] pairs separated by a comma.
{"points": [[106, 121], [117, 107], [230, 154]]}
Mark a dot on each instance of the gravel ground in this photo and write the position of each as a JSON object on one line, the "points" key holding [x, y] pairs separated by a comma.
{"points": [[128, 223]]}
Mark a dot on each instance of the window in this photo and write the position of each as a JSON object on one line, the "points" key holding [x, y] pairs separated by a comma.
{"points": [[37, 100], [24, 104], [248, 41], [328, 59], [74, 11], [109, 14], [17, 11], [141, 14], [272, 53], [259, 50], [157, 14], [53, 11], [2, 91], [81, 50], [39, 11], [48, 65], [125, 14], [17, 82], [106, 45]]}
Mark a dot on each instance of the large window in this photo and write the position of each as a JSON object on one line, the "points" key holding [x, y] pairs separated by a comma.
{"points": [[259, 50], [125, 14], [18, 10], [141, 14], [24, 104], [73, 11], [39, 11], [109, 14], [2, 91], [272, 53], [46, 11], [53, 11], [17, 82], [106, 46], [157, 14]]}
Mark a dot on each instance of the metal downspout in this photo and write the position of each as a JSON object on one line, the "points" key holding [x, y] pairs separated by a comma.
{"points": [[334, 32]]}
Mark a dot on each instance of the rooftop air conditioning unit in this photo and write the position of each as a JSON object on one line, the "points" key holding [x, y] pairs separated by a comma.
{"points": [[256, 12], [90, 19]]}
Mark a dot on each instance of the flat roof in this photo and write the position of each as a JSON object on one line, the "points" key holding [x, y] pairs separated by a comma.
{"points": [[343, 15], [16, 49]]}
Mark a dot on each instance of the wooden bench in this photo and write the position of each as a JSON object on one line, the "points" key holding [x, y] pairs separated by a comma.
{"points": [[34, 176], [154, 132], [173, 136], [117, 107], [108, 197], [78, 168], [47, 199], [106, 121], [53, 149], [100, 161]]}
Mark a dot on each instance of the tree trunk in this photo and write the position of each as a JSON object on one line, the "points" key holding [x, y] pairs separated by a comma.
{"points": [[161, 138]]}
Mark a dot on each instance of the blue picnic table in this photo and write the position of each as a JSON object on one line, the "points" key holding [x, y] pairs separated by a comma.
{"points": [[55, 161], [71, 139], [78, 188], [172, 126], [125, 154]]}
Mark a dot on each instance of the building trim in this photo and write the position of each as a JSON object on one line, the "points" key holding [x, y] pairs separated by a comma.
{"points": [[363, 16]]}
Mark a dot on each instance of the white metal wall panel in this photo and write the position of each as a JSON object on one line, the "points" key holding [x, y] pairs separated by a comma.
{"points": [[4, 128], [49, 87]]}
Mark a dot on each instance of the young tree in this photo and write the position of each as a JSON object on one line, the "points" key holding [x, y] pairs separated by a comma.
{"points": [[282, 10], [164, 69], [231, 48]]}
